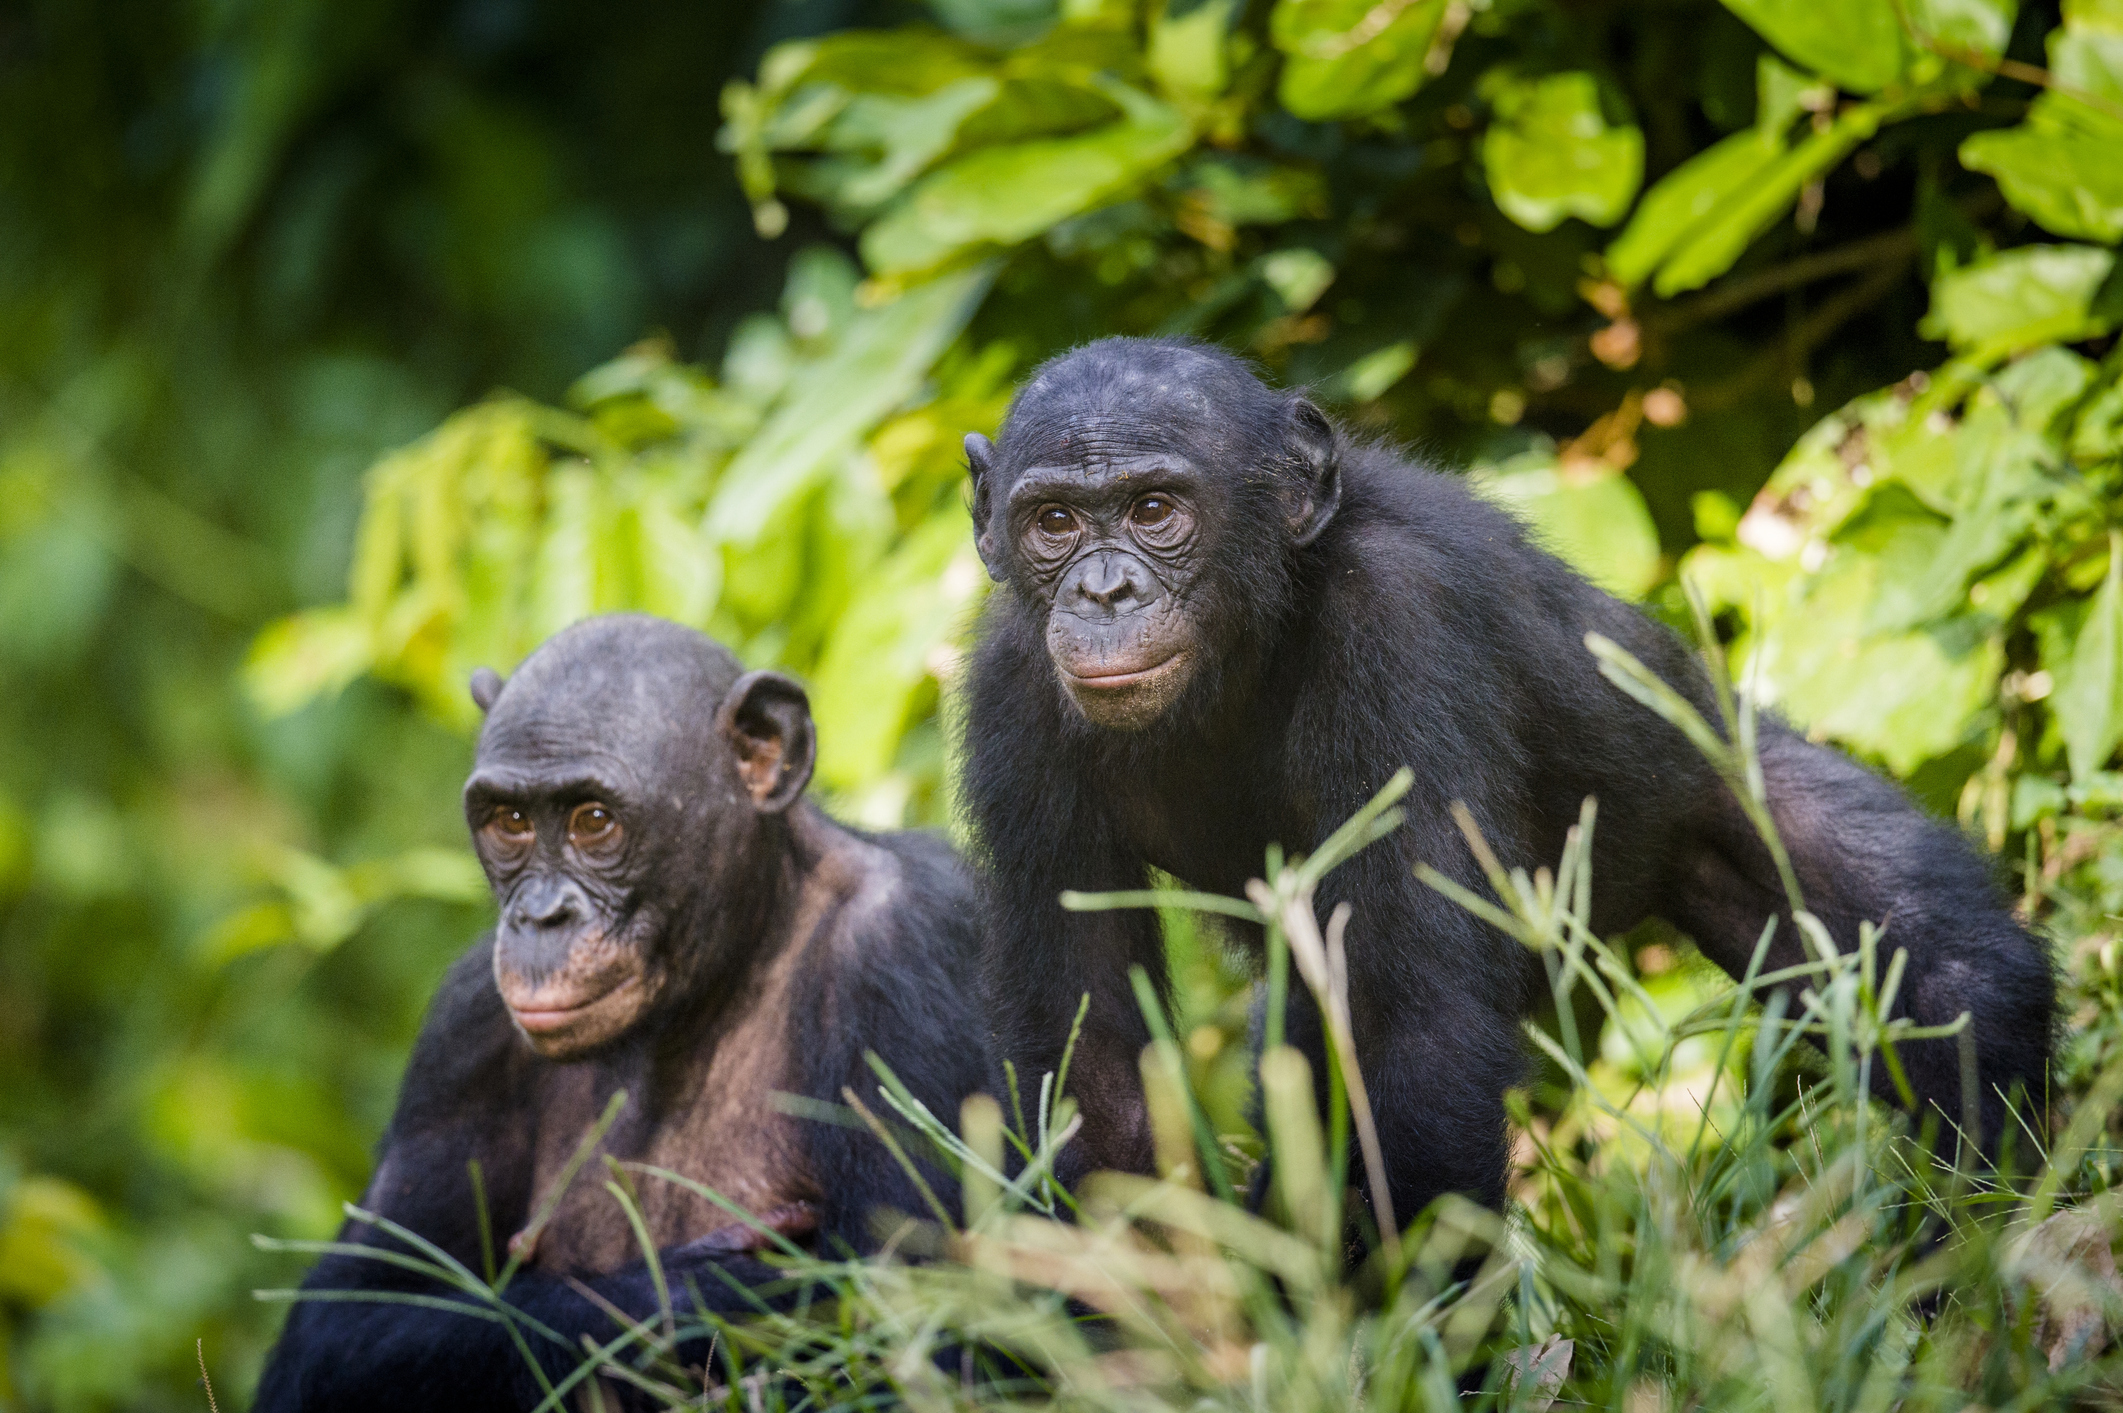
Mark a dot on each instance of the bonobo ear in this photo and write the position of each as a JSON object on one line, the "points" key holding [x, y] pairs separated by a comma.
{"points": [[1316, 454], [766, 718], [980, 459], [486, 686]]}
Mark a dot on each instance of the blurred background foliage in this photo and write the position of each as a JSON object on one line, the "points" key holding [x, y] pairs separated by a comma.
{"points": [[1813, 303]]}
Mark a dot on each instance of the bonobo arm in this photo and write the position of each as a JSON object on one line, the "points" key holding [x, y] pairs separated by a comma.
{"points": [[902, 984], [466, 1096], [1042, 835]]}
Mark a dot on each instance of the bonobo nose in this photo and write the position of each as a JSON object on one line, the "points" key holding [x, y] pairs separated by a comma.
{"points": [[545, 905], [1110, 580]]}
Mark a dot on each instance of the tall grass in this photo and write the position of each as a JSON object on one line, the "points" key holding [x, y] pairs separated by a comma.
{"points": [[1708, 1209]]}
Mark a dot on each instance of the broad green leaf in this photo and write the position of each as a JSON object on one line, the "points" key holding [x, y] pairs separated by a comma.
{"points": [[1781, 93], [2063, 166], [1551, 154], [918, 601], [1598, 524], [999, 196], [1685, 197], [1347, 58], [1858, 43], [1713, 244], [996, 21], [878, 366], [1187, 54], [1980, 27], [2031, 295], [897, 138], [1905, 698], [2040, 388], [2088, 699]]}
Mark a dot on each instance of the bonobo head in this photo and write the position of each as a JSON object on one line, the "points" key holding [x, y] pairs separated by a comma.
{"points": [[1145, 498], [625, 802]]}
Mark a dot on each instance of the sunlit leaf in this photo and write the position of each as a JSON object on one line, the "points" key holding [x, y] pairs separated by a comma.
{"points": [[2089, 694], [1683, 200], [1598, 523], [2031, 295], [878, 366], [2063, 166], [1858, 43], [1001, 195], [1351, 57], [1756, 202], [1551, 153], [916, 603]]}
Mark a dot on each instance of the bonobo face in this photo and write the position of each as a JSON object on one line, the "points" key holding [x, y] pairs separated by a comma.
{"points": [[616, 803], [1113, 545], [1141, 490]]}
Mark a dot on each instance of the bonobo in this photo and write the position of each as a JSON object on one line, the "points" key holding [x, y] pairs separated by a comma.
{"points": [[1227, 624], [678, 923]]}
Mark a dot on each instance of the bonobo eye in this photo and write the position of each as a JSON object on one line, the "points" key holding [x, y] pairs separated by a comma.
{"points": [[510, 829], [1159, 518], [1055, 522], [1151, 511], [592, 827]]}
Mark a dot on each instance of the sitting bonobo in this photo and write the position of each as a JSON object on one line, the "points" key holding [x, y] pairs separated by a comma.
{"points": [[676, 923]]}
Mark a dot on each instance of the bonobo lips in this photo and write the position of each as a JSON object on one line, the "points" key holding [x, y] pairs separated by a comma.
{"points": [[1129, 677], [570, 1020]]}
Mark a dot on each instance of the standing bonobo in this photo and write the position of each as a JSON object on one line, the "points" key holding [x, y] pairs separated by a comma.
{"points": [[1227, 624], [676, 922]]}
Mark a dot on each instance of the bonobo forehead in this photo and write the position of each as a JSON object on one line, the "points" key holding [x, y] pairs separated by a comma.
{"points": [[1125, 398], [628, 699]]}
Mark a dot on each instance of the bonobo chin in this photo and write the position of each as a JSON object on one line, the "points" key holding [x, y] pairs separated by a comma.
{"points": [[678, 923], [1225, 623]]}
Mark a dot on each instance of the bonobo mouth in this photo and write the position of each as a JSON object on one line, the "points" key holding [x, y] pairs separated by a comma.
{"points": [[1131, 699], [571, 1022], [1109, 681]]}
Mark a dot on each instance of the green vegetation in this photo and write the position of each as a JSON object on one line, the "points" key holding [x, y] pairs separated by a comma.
{"points": [[1814, 305]]}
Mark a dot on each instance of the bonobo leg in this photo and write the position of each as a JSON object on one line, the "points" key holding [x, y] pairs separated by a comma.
{"points": [[1863, 851]]}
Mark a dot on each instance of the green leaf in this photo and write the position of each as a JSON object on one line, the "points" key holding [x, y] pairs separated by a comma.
{"points": [[1711, 246], [1682, 201], [1351, 57], [1599, 524], [1009, 193], [1551, 153], [1977, 27], [876, 367], [1187, 55], [1858, 43], [2064, 165], [883, 648], [2031, 295], [2088, 699]]}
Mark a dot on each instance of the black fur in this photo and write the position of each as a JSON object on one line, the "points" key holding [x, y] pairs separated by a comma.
{"points": [[1419, 627], [885, 964]]}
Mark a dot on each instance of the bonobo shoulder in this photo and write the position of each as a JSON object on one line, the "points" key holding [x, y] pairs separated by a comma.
{"points": [[906, 898]]}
